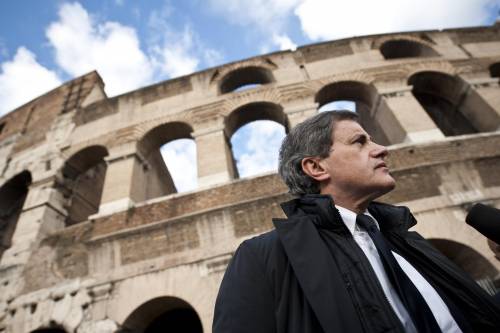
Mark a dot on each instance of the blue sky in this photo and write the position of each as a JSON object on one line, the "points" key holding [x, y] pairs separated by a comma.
{"points": [[137, 43]]}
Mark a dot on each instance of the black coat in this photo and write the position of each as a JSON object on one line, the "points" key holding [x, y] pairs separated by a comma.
{"points": [[290, 280]]}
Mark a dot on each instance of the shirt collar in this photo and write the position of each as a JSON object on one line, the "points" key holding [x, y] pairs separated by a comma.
{"points": [[349, 218]]}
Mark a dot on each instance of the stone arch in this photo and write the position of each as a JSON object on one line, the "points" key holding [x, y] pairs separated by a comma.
{"points": [[440, 66], [254, 111], [471, 261], [163, 314], [375, 115], [454, 106], [12, 196], [495, 70], [160, 134], [406, 48], [156, 178], [245, 77], [251, 112], [82, 183]]}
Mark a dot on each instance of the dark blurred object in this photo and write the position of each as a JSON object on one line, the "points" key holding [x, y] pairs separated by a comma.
{"points": [[486, 220]]}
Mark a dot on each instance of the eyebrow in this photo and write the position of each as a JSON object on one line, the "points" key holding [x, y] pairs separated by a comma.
{"points": [[359, 135]]}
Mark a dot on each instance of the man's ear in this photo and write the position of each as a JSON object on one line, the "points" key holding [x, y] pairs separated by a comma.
{"points": [[314, 169]]}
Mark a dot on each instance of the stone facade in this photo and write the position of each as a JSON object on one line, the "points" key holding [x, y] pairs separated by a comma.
{"points": [[94, 237]]}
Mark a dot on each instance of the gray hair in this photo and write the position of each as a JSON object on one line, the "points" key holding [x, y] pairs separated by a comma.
{"points": [[311, 138]]}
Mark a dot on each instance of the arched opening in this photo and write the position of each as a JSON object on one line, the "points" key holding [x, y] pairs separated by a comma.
{"points": [[471, 261], [170, 155], [82, 183], [338, 105], [403, 48], [12, 196], [245, 78], [163, 314], [495, 70], [180, 158], [375, 115], [452, 104], [255, 131]]}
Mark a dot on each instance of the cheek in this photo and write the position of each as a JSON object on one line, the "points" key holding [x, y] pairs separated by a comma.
{"points": [[351, 167], [352, 171]]}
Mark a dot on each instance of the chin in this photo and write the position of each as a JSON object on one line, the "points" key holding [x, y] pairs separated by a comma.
{"points": [[386, 186], [390, 186]]}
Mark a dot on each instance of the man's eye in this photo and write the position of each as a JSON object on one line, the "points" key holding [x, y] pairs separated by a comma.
{"points": [[360, 140]]}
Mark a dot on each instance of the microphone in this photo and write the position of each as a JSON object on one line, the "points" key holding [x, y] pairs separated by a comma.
{"points": [[486, 220]]}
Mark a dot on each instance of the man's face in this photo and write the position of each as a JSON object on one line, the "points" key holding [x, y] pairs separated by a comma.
{"points": [[356, 164]]}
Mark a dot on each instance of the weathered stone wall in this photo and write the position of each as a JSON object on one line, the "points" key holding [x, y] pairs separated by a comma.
{"points": [[146, 250]]}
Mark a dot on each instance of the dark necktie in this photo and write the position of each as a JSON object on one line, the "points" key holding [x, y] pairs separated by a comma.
{"points": [[417, 308]]}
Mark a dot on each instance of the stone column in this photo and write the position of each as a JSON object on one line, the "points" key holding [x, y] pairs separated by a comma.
{"points": [[298, 113], [487, 89], [214, 157], [124, 181], [42, 213], [414, 121]]}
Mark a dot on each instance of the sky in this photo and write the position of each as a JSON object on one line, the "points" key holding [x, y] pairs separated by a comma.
{"points": [[137, 43]]}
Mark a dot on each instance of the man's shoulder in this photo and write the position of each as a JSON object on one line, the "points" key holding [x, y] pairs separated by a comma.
{"points": [[262, 243], [265, 249], [264, 253]]}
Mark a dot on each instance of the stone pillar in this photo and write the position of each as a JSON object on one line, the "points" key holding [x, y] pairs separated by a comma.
{"points": [[124, 182], [42, 214], [488, 89], [411, 116], [298, 113], [214, 157]]}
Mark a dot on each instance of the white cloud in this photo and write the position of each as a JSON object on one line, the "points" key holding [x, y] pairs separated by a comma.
{"points": [[212, 57], [23, 79], [82, 45], [180, 158], [268, 17], [256, 147], [333, 19], [263, 14], [175, 58], [178, 51], [177, 61], [284, 42]]}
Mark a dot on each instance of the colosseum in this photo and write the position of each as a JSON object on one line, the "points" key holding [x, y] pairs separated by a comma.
{"points": [[96, 238]]}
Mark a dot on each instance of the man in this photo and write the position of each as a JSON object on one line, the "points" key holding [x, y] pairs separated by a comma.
{"points": [[340, 262]]}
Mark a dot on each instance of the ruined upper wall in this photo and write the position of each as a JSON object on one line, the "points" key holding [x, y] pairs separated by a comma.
{"points": [[34, 119], [308, 63]]}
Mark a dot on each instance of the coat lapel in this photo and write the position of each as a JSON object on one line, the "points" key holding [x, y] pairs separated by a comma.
{"points": [[318, 275]]}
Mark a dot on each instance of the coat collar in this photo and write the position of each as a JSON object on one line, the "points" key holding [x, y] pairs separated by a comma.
{"points": [[322, 211], [314, 267], [319, 208], [392, 218]]}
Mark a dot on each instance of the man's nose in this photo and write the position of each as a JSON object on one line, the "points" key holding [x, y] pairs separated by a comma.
{"points": [[379, 151]]}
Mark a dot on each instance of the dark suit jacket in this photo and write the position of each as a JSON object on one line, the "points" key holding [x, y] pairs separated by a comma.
{"points": [[288, 281]]}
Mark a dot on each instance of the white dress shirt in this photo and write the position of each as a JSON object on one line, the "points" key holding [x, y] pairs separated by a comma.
{"points": [[431, 297]]}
